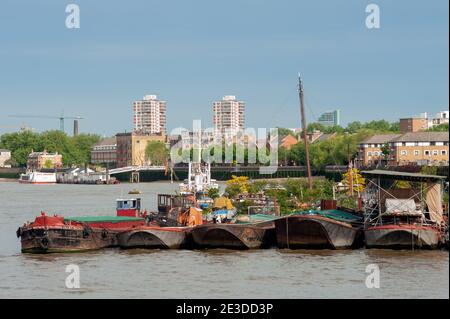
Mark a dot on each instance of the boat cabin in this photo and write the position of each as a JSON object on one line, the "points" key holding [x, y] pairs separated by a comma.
{"points": [[417, 201], [168, 201], [128, 207]]}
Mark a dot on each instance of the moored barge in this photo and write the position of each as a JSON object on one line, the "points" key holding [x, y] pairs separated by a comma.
{"points": [[155, 237], [56, 234], [159, 235], [330, 229], [403, 218], [234, 236]]}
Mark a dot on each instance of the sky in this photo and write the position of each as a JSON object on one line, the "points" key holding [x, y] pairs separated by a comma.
{"points": [[191, 53]]}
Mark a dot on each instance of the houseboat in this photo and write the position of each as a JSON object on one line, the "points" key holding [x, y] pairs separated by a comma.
{"points": [[403, 217]]}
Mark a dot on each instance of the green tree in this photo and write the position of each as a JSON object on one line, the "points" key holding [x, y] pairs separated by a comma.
{"points": [[282, 132], [381, 125], [58, 141], [283, 156], [236, 185], [315, 127], [84, 144], [386, 151], [48, 164], [439, 128], [75, 150], [213, 193], [395, 127], [156, 153], [354, 127], [20, 144]]}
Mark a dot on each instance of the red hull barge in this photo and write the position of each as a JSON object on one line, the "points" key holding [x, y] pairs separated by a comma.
{"points": [[56, 234], [51, 234]]}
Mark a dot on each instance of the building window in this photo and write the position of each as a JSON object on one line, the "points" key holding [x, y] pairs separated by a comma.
{"points": [[416, 152], [443, 152], [404, 152], [435, 152], [427, 153], [369, 154]]}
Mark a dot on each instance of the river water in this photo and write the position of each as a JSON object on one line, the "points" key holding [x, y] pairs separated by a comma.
{"points": [[270, 273]]}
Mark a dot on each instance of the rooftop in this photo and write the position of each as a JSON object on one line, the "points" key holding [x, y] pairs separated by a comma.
{"points": [[422, 137], [380, 139], [107, 141], [325, 137], [44, 152]]}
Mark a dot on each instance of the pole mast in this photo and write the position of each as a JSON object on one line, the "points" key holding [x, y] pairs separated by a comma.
{"points": [[304, 129]]}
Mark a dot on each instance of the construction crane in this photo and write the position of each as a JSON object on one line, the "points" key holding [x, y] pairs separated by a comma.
{"points": [[23, 127], [60, 118]]}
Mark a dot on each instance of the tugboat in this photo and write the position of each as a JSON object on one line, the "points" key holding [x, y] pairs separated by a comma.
{"points": [[198, 183], [199, 179], [56, 234], [397, 218]]}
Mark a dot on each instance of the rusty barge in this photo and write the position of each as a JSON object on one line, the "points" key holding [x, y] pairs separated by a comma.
{"points": [[58, 234]]}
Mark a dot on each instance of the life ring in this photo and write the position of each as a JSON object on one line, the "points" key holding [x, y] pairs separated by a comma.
{"points": [[44, 243]]}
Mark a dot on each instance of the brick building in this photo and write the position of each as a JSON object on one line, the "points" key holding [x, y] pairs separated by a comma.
{"points": [[370, 150], [417, 148], [5, 156], [422, 148], [105, 152], [413, 124], [131, 148], [39, 160]]}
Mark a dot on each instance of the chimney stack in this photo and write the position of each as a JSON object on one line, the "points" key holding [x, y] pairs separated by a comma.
{"points": [[75, 127]]}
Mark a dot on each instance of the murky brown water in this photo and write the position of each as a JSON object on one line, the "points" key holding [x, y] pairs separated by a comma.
{"points": [[195, 274]]}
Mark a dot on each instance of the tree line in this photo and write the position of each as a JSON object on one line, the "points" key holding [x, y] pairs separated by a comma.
{"points": [[75, 150], [338, 149]]}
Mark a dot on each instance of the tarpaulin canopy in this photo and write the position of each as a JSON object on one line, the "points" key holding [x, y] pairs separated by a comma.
{"points": [[434, 202], [400, 206]]}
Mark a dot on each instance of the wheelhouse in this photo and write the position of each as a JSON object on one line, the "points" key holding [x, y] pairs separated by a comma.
{"points": [[128, 207]]}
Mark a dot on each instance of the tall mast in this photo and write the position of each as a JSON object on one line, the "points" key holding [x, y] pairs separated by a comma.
{"points": [[304, 129]]}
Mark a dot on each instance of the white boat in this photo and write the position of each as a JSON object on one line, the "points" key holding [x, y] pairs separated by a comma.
{"points": [[199, 179], [38, 178]]}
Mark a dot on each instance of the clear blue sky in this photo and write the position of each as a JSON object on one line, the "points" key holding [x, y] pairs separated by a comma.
{"points": [[191, 53]]}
